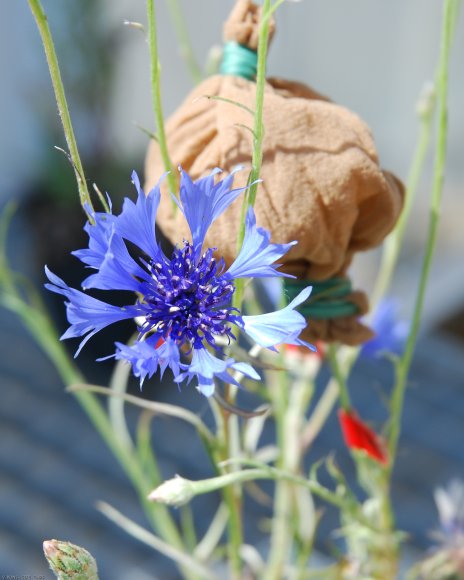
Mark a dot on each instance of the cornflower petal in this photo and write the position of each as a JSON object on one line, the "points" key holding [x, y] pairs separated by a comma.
{"points": [[87, 315], [169, 356], [118, 270], [136, 223], [203, 201], [205, 367], [279, 327], [146, 356], [390, 332], [99, 233], [142, 356], [257, 255]]}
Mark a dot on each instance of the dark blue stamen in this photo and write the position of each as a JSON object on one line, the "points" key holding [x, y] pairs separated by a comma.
{"points": [[189, 298]]}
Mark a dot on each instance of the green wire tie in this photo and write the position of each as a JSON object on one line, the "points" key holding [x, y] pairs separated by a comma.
{"points": [[239, 60], [327, 298]]}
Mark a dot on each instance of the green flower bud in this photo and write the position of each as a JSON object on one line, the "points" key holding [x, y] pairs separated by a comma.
{"points": [[176, 492], [70, 562]]}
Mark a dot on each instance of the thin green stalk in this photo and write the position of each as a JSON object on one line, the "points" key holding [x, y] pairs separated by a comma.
{"points": [[156, 95], [52, 60], [258, 127], [233, 445], [229, 494], [339, 377], [187, 524], [258, 132], [234, 527], [397, 400], [394, 242], [320, 413], [145, 452], [116, 408], [155, 408], [183, 40], [265, 472], [280, 539], [213, 534], [191, 567], [289, 415]]}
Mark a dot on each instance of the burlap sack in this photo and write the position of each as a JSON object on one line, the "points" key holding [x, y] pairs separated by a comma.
{"points": [[322, 184]]}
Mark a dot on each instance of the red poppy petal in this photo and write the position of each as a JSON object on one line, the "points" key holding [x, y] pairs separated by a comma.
{"points": [[358, 435]]}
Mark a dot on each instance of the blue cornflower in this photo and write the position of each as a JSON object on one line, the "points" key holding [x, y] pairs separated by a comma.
{"points": [[182, 302], [390, 332]]}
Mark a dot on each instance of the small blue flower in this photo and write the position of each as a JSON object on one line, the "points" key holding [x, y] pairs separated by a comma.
{"points": [[450, 505], [390, 332], [183, 302]]}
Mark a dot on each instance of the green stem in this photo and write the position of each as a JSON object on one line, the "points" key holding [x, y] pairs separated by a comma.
{"points": [[397, 400], [144, 449], [258, 132], [183, 40], [289, 414], [234, 527], [233, 444], [190, 566], [320, 413], [394, 242], [280, 540], [156, 95], [216, 483], [258, 127], [116, 405], [213, 534], [231, 495], [47, 40], [339, 376]]}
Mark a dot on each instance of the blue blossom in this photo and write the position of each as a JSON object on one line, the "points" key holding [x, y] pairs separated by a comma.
{"points": [[182, 303], [450, 505], [390, 332], [446, 558]]}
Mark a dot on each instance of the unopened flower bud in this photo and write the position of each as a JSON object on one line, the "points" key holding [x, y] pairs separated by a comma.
{"points": [[70, 562], [135, 25], [176, 492], [426, 102]]}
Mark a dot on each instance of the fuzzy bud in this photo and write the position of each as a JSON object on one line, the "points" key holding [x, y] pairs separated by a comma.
{"points": [[175, 492], [70, 562]]}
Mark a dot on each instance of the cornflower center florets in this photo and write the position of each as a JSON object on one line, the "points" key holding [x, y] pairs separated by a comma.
{"points": [[189, 298]]}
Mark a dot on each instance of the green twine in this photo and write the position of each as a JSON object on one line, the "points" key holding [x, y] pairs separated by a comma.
{"points": [[239, 60], [327, 300]]}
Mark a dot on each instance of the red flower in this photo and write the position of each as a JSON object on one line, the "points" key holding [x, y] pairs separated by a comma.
{"points": [[358, 435]]}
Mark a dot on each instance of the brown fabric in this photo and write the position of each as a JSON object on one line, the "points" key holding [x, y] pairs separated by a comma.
{"points": [[322, 184], [242, 26], [346, 329]]}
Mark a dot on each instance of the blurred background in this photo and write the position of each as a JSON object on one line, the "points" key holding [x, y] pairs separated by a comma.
{"points": [[373, 57]]}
